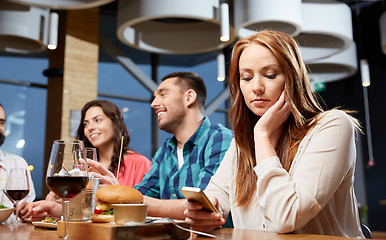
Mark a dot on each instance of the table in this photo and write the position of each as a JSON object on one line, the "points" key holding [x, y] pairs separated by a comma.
{"points": [[30, 232], [242, 234], [26, 232]]}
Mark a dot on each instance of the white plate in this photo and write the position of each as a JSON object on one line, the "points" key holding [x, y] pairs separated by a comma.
{"points": [[5, 213], [44, 225]]}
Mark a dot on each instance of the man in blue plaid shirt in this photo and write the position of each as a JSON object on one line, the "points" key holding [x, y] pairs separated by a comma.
{"points": [[192, 155]]}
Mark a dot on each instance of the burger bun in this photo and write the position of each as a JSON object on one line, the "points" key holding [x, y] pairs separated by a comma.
{"points": [[102, 218], [117, 194]]}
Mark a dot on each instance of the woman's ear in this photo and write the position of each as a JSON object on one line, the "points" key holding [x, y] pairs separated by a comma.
{"points": [[190, 97]]}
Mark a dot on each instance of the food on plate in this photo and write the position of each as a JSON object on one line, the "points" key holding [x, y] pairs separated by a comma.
{"points": [[49, 220], [113, 194], [2, 206]]}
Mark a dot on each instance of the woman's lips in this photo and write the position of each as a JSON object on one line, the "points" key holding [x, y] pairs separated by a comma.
{"points": [[259, 102]]}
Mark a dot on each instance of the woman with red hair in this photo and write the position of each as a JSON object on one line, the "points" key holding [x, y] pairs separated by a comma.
{"points": [[290, 167]]}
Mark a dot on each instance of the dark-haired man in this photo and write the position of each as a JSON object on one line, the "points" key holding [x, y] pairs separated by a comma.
{"points": [[195, 151], [7, 162]]}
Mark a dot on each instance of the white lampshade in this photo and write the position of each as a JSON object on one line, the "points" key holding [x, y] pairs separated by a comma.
{"points": [[326, 29], [170, 26], [63, 4], [382, 25], [221, 66], [336, 67], [251, 16], [23, 29]]}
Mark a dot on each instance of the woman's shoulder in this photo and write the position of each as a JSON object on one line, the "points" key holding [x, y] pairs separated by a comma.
{"points": [[335, 114], [336, 117], [136, 157]]}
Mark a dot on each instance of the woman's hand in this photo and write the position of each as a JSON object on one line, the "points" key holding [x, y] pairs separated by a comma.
{"points": [[201, 220], [99, 171], [268, 129]]}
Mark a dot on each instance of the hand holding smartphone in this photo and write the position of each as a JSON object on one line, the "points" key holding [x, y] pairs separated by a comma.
{"points": [[196, 194]]}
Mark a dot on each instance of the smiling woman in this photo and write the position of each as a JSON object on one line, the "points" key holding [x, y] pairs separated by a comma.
{"points": [[102, 126]]}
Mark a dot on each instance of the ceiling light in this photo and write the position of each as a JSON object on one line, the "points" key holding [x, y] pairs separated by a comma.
{"points": [[326, 29], [251, 16], [23, 29], [171, 27], [63, 4]]}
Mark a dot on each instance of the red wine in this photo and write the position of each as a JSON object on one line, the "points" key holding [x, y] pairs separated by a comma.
{"points": [[17, 195], [65, 186]]}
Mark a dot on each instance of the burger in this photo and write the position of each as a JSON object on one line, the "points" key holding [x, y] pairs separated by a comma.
{"points": [[113, 194]]}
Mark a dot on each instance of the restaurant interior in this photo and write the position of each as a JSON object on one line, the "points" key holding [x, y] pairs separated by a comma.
{"points": [[56, 55]]}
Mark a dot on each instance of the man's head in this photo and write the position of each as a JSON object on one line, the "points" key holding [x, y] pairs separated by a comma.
{"points": [[178, 93], [2, 125]]}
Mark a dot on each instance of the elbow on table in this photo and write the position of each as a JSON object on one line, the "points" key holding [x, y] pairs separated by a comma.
{"points": [[285, 228], [288, 224]]}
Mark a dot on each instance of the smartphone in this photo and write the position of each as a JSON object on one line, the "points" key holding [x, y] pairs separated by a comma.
{"points": [[196, 194]]}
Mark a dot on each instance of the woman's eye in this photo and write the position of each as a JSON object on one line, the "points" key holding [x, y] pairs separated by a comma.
{"points": [[271, 76], [85, 124], [246, 78]]}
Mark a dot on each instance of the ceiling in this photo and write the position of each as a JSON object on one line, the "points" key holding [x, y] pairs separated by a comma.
{"points": [[365, 17]]}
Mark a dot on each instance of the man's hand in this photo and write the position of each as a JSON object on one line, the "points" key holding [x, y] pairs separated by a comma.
{"points": [[22, 207], [41, 209]]}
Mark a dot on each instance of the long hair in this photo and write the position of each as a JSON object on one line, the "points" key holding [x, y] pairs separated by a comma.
{"points": [[297, 90], [114, 114]]}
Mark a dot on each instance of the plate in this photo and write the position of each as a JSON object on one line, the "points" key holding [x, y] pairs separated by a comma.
{"points": [[44, 225], [5, 213]]}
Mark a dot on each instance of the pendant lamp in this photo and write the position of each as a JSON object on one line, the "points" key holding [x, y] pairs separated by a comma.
{"points": [[326, 28], [63, 4], [336, 67], [23, 29], [251, 16], [174, 26]]}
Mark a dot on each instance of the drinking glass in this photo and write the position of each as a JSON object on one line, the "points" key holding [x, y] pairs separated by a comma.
{"points": [[91, 153], [67, 173], [17, 187]]}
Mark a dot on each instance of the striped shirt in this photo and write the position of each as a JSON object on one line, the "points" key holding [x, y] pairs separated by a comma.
{"points": [[202, 154]]}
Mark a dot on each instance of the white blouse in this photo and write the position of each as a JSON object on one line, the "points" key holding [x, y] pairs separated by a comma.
{"points": [[315, 197]]}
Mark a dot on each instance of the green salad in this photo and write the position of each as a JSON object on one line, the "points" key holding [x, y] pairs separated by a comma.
{"points": [[49, 220], [2, 206]]}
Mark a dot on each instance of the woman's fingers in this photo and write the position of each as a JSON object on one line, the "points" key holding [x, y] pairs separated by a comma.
{"points": [[99, 167], [201, 220], [105, 180]]}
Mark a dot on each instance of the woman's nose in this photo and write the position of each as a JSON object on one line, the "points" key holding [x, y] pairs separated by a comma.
{"points": [[258, 85], [90, 126]]}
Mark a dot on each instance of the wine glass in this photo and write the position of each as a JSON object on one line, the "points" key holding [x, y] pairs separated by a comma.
{"points": [[67, 173], [17, 187]]}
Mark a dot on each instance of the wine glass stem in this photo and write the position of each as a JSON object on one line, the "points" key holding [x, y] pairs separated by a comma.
{"points": [[66, 204], [17, 212]]}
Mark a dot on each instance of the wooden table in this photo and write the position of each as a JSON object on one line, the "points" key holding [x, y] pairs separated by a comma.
{"points": [[241, 234], [25, 232], [29, 232]]}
